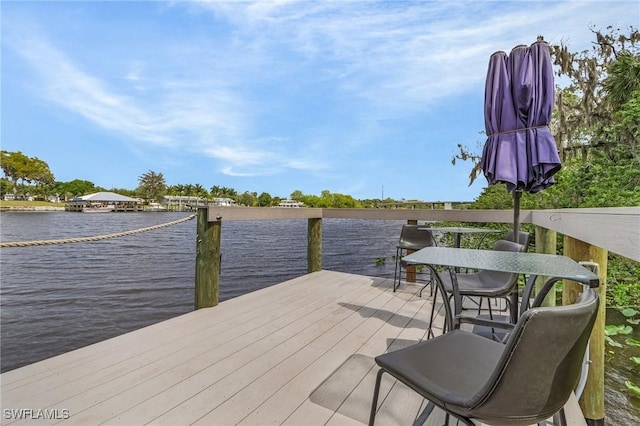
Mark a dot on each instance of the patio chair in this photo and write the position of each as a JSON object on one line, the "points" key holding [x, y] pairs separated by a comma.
{"points": [[411, 238], [524, 238], [527, 380], [482, 284]]}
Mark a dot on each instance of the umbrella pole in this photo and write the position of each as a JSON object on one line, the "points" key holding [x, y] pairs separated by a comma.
{"points": [[517, 193]]}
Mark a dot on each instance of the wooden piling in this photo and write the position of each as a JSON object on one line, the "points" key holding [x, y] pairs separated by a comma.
{"points": [[592, 399], [314, 245], [546, 243], [208, 259]]}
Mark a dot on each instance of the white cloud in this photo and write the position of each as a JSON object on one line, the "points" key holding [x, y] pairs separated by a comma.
{"points": [[199, 101], [372, 60], [406, 55]]}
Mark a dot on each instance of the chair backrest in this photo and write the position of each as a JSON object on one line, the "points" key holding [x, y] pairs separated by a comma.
{"points": [[502, 280], [415, 237], [524, 238], [540, 365]]}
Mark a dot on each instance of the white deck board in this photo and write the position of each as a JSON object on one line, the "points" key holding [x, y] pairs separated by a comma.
{"points": [[300, 352]]}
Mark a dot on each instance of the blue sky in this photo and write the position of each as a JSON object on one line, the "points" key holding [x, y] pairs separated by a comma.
{"points": [[270, 96]]}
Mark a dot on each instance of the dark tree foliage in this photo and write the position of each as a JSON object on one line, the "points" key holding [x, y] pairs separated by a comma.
{"points": [[152, 186], [20, 168], [602, 81]]}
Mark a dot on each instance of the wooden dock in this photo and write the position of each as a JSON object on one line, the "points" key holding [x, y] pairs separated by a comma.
{"points": [[297, 353]]}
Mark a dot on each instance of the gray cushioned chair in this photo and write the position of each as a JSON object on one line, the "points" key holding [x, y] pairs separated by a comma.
{"points": [[524, 238], [483, 284], [412, 237], [525, 381]]}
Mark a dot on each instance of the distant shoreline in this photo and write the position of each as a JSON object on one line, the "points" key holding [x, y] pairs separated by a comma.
{"points": [[4, 209]]}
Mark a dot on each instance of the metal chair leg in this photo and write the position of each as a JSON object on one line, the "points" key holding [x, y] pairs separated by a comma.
{"points": [[374, 403], [560, 419], [396, 277], [424, 415], [429, 283]]}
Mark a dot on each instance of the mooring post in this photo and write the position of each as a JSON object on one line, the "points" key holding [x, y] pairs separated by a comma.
{"points": [[592, 399], [546, 243], [314, 245], [208, 259]]}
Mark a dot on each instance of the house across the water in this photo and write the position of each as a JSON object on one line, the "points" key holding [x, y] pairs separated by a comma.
{"points": [[291, 203], [104, 202], [182, 203]]}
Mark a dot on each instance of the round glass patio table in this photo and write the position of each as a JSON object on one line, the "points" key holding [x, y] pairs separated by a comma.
{"points": [[553, 266]]}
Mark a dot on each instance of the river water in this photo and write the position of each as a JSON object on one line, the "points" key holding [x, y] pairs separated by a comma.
{"points": [[56, 298]]}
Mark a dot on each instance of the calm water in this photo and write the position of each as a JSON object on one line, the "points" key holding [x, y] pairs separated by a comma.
{"points": [[61, 297], [57, 298]]}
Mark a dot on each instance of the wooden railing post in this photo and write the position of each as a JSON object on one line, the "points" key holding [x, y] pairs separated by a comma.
{"points": [[592, 399], [546, 243], [314, 245], [208, 259]]}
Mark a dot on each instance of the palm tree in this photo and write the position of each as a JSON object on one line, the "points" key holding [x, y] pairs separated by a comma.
{"points": [[199, 191]]}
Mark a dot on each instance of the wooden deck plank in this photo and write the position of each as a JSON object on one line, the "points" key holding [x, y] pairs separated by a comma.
{"points": [[326, 333], [157, 348], [164, 332], [300, 352], [185, 379], [286, 400], [33, 390], [387, 338], [180, 393], [406, 403], [289, 399], [358, 405]]}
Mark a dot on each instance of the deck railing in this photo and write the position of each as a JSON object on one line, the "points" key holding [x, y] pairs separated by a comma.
{"points": [[589, 234]]}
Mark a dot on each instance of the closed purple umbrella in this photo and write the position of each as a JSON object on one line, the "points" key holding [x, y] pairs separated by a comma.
{"points": [[543, 152], [520, 150]]}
